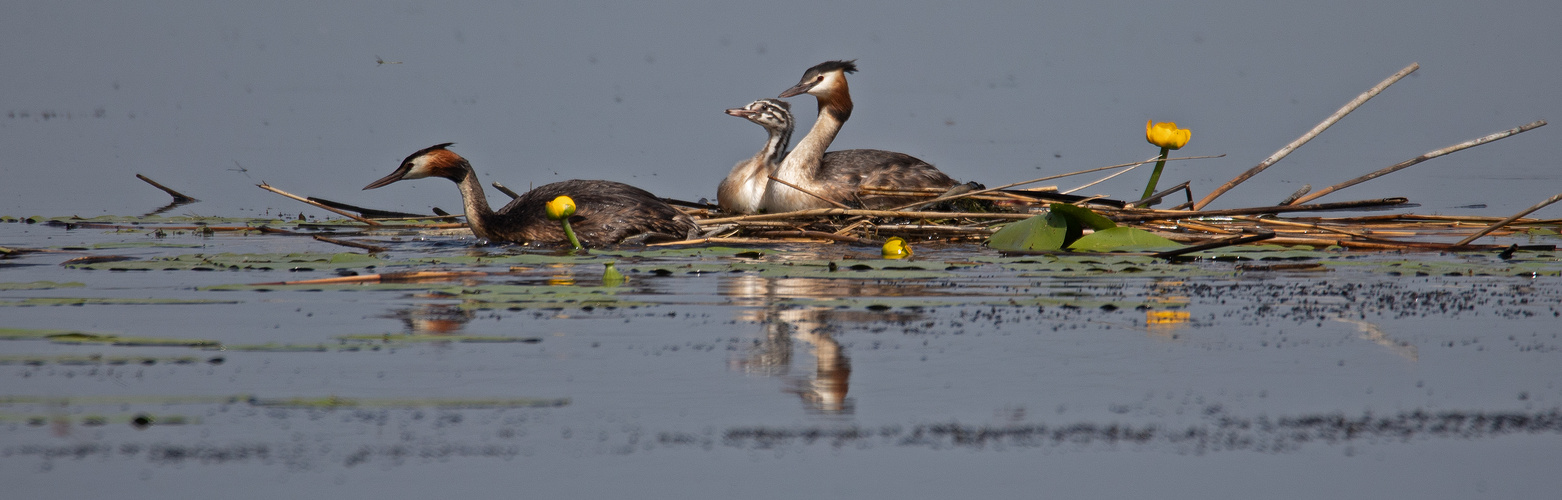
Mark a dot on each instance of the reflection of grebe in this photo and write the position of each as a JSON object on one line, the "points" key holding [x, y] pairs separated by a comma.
{"points": [[606, 213], [838, 175], [744, 188]]}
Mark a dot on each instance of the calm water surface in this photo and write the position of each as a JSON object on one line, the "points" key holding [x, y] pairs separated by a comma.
{"points": [[973, 375]]}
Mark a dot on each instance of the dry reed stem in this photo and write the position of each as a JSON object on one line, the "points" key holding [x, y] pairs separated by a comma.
{"points": [[1318, 129], [1424, 157], [403, 277], [1504, 222], [353, 244], [316, 204], [178, 196], [1171, 215]]}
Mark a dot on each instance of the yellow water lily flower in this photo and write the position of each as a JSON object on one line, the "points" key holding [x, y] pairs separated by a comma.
{"points": [[896, 248], [1166, 134], [561, 207]]}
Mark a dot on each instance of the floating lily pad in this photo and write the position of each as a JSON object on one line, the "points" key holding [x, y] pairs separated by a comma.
{"points": [[1122, 239], [82, 301], [41, 285]]}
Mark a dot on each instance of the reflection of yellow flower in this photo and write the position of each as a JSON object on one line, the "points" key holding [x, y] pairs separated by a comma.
{"points": [[1165, 323], [561, 207], [896, 248], [1166, 134], [1166, 317]]}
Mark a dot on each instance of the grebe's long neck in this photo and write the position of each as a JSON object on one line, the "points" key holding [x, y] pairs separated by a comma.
{"points": [[478, 214], [775, 147], [802, 164]]}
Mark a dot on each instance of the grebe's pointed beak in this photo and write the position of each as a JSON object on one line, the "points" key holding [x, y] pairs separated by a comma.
{"points": [[393, 177], [799, 89], [743, 112]]}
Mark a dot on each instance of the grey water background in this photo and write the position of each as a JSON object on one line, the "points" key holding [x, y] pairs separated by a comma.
{"points": [[212, 98]]}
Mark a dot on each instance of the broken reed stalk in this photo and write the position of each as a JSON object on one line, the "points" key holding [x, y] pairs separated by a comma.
{"points": [[354, 244], [1318, 129], [312, 203], [799, 233], [1508, 220], [505, 190], [178, 196], [1047, 178], [807, 192], [1424, 157], [400, 277], [1224, 242], [1172, 215]]}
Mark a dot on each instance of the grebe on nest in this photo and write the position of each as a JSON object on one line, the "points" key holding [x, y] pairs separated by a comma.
{"points": [[838, 175], [607, 213], [744, 188]]}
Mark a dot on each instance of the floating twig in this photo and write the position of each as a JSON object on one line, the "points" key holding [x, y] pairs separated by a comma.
{"points": [[315, 204], [1170, 215], [354, 244], [1508, 220], [403, 277], [1225, 242], [179, 198], [505, 190], [369, 212], [811, 234], [1424, 157], [1318, 129]]}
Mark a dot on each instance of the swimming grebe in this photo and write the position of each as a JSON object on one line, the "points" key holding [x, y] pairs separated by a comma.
{"points": [[744, 188], [838, 175], [608, 211]]}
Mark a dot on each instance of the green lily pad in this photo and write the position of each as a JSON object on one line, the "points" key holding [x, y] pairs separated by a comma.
{"points": [[40, 285], [82, 301], [1121, 239], [1040, 233], [1083, 216]]}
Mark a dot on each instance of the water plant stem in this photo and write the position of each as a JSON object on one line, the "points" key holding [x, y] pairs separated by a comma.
{"points": [[1155, 176], [570, 234]]}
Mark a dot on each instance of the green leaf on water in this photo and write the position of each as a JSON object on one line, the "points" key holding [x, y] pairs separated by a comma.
{"points": [[1040, 233], [41, 285], [1121, 239], [82, 301], [1083, 216]]}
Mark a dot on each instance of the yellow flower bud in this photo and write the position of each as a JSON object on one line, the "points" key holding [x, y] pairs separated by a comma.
{"points": [[896, 248], [561, 207], [1166, 135]]}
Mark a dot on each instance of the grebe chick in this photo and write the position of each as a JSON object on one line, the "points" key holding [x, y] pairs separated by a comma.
{"points": [[839, 175], [607, 213], [744, 188]]}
